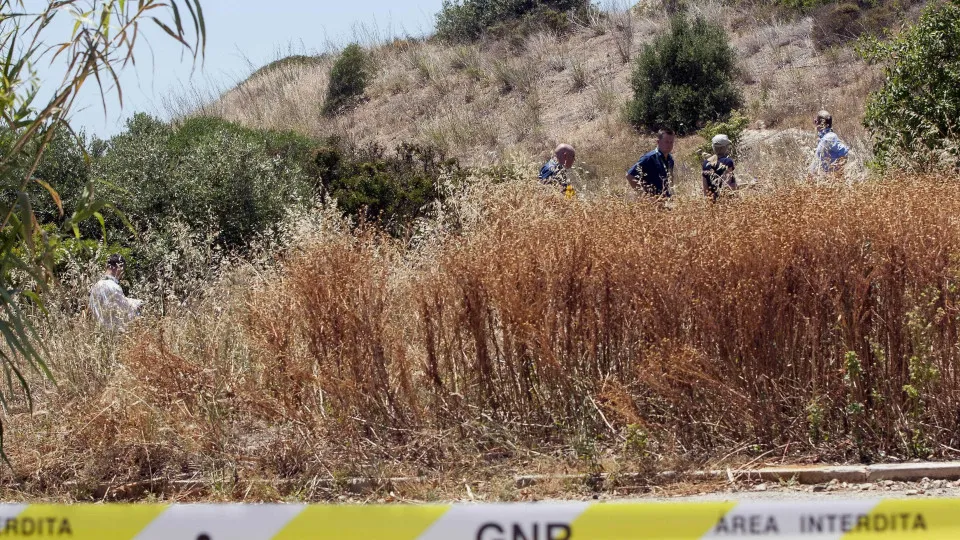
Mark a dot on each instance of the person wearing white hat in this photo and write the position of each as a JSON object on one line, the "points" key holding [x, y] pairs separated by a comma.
{"points": [[718, 168]]}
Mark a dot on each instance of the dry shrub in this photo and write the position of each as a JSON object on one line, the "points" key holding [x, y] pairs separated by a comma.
{"points": [[352, 365], [820, 317], [722, 324], [761, 305]]}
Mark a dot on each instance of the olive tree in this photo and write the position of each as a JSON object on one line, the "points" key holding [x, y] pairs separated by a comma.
{"points": [[914, 117]]}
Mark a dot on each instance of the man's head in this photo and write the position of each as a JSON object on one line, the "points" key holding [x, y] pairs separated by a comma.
{"points": [[115, 265], [721, 145], [824, 120], [565, 155], [665, 140]]}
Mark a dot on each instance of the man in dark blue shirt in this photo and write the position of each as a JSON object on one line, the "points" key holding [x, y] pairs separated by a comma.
{"points": [[553, 171], [653, 173]]}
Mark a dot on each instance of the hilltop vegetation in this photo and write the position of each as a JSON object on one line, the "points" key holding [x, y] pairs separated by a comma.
{"points": [[381, 288]]}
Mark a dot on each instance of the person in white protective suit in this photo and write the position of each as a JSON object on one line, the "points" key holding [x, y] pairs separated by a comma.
{"points": [[108, 305]]}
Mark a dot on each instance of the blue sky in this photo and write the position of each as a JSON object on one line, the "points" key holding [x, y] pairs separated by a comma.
{"points": [[241, 36]]}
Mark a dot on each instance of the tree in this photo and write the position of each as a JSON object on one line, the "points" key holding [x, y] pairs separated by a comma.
{"points": [[102, 40], [685, 78], [914, 118], [348, 80], [468, 20]]}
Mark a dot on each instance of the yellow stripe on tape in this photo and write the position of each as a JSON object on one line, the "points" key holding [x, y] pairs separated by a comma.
{"points": [[908, 519], [801, 520], [636, 521], [362, 522], [81, 522]]}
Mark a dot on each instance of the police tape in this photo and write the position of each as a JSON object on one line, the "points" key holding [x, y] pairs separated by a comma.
{"points": [[887, 519]]}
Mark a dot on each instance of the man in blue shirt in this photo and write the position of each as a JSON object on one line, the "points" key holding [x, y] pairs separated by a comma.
{"points": [[831, 154], [552, 171], [653, 173]]}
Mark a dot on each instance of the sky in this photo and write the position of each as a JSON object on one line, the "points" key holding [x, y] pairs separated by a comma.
{"points": [[243, 35]]}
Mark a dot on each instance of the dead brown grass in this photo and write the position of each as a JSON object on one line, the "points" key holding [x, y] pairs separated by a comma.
{"points": [[553, 335]]}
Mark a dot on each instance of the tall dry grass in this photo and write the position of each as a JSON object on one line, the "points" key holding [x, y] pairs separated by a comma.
{"points": [[817, 317], [813, 321]]}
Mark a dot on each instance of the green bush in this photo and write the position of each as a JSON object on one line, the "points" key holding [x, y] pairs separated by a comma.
{"points": [[208, 173], [733, 127], [914, 118], [685, 78], [65, 166], [462, 21], [348, 80], [390, 190]]}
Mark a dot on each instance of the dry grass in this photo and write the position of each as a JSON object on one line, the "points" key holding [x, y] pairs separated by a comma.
{"points": [[546, 334]]}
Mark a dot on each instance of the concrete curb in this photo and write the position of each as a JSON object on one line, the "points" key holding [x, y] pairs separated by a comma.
{"points": [[853, 474], [803, 474]]}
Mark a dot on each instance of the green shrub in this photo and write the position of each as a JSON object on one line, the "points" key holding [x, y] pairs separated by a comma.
{"points": [[468, 20], [733, 127], [289, 145], [390, 190], [348, 80], [684, 78], [65, 166], [914, 118], [209, 173], [132, 171]]}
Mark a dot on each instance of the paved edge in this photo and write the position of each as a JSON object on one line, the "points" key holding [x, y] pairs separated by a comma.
{"points": [[854, 474]]}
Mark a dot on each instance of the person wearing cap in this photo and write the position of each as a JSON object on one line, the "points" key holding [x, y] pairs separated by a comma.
{"points": [[554, 171], [108, 305], [718, 168], [831, 153], [653, 172]]}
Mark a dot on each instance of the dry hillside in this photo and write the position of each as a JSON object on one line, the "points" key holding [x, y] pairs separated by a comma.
{"points": [[484, 102]]}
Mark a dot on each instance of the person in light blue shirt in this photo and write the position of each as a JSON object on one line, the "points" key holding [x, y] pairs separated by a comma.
{"points": [[553, 171], [831, 154]]}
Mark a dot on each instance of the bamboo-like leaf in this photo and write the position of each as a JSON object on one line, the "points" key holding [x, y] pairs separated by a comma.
{"points": [[170, 32], [3, 453], [176, 17], [35, 298], [103, 225], [90, 50], [53, 194]]}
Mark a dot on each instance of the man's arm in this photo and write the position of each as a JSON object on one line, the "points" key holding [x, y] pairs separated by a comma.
{"points": [[633, 176], [817, 164]]}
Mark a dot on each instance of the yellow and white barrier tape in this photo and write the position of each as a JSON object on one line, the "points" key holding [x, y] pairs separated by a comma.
{"points": [[886, 519]]}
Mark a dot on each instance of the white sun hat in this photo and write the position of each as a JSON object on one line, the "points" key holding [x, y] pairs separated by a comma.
{"points": [[721, 140]]}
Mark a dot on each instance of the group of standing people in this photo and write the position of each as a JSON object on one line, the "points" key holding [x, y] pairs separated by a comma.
{"points": [[652, 174]]}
